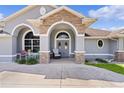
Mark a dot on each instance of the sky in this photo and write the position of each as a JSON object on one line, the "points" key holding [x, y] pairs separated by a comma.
{"points": [[108, 17]]}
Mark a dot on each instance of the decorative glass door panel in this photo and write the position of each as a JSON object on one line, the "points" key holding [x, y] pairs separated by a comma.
{"points": [[63, 46]]}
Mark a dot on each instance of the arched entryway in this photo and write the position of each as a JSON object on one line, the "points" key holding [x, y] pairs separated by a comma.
{"points": [[66, 31], [62, 37], [25, 39]]}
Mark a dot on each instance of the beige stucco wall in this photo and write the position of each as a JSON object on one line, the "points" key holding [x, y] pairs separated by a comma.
{"points": [[92, 51], [91, 46], [32, 14], [6, 45]]}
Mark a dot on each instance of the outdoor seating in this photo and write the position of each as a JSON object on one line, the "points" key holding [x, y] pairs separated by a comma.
{"points": [[56, 53]]}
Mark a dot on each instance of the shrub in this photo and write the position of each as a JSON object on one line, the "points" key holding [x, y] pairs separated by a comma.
{"points": [[86, 61], [17, 60], [22, 61], [31, 61], [101, 60]]}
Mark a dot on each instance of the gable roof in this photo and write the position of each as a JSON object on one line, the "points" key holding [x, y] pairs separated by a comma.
{"points": [[96, 32], [23, 11], [62, 8]]}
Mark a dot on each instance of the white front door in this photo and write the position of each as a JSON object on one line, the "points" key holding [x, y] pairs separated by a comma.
{"points": [[63, 46]]}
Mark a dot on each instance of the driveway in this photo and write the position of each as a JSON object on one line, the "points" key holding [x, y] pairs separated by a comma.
{"points": [[57, 75]]}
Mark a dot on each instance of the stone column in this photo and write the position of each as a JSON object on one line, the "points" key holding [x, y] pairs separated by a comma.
{"points": [[44, 49], [79, 52], [44, 57], [79, 57], [119, 55]]}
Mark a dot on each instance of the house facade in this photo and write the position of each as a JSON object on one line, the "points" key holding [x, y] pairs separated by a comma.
{"points": [[42, 28]]}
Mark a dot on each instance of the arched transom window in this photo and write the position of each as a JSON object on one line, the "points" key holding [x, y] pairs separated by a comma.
{"points": [[62, 35], [31, 42]]}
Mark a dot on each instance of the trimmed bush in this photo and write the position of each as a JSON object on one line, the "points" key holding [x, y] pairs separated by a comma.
{"points": [[101, 60], [22, 61], [31, 61]]}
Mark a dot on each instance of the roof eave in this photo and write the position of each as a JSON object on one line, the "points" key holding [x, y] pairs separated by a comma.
{"points": [[97, 37], [88, 21]]}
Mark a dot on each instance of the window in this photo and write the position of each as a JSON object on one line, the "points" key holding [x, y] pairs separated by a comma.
{"points": [[62, 35], [100, 43], [31, 42]]}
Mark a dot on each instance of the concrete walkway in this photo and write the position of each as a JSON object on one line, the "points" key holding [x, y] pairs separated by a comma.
{"points": [[57, 75]]}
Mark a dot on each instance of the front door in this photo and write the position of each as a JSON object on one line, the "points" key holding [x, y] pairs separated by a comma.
{"points": [[63, 46]]}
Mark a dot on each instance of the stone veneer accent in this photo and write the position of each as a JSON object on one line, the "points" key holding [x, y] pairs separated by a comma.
{"points": [[62, 15], [119, 56], [44, 57], [79, 57]]}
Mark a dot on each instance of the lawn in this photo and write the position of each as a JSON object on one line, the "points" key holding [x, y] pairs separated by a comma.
{"points": [[118, 68]]}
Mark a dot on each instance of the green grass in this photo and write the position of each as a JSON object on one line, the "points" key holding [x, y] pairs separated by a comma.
{"points": [[118, 68]]}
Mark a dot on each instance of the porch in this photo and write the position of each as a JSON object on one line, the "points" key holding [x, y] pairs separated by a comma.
{"points": [[61, 35]]}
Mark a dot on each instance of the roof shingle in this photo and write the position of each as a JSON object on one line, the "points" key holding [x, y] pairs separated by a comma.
{"points": [[96, 32]]}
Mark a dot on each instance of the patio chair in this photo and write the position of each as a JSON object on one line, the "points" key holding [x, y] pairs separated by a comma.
{"points": [[56, 53], [22, 54]]}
